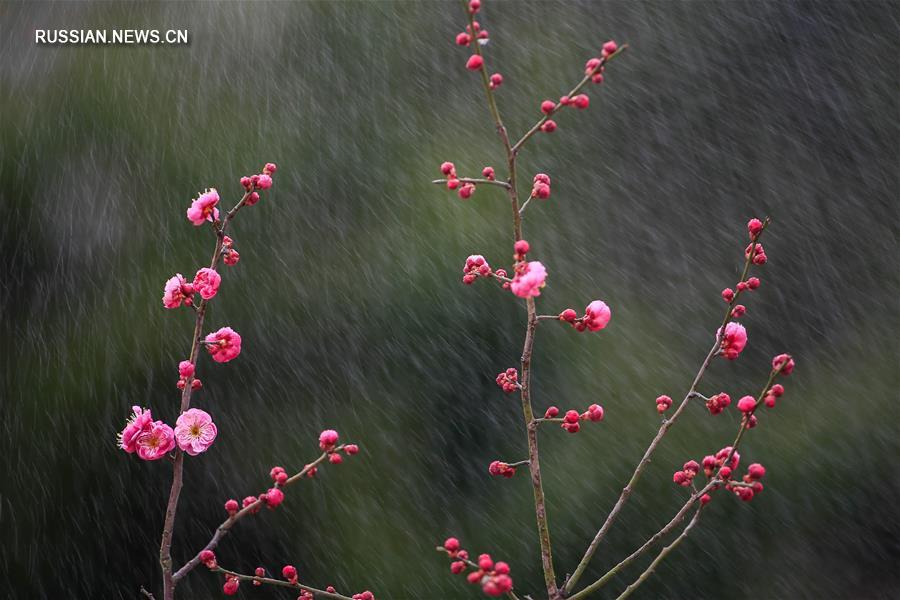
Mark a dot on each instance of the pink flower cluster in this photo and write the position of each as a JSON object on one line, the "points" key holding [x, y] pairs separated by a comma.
{"points": [[570, 422], [186, 371], [178, 291], [150, 439], [261, 181], [718, 403], [194, 433], [464, 190], [501, 469], [328, 443], [713, 463], [230, 256], [493, 577], [687, 474], [759, 254], [596, 317], [476, 266], [541, 187], [508, 380]]}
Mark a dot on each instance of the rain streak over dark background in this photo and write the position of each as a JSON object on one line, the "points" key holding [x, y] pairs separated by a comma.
{"points": [[349, 300]]}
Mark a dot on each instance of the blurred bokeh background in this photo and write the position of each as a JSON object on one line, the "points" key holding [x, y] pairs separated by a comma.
{"points": [[349, 299]]}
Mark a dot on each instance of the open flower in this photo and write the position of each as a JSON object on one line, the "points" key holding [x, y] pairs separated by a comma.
{"points": [[177, 291], [139, 421], [195, 431], [155, 441], [224, 345], [204, 208], [529, 280], [206, 283]]}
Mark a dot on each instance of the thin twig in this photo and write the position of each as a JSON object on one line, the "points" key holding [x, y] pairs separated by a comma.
{"points": [[659, 558], [502, 184], [223, 529], [281, 583]]}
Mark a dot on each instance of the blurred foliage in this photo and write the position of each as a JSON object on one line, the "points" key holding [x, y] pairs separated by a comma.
{"points": [[349, 301]]}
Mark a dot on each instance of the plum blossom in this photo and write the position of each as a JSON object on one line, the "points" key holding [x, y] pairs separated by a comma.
{"points": [[177, 291], [206, 283], [155, 441], [529, 280], [195, 431], [734, 338], [140, 420], [204, 208], [224, 345], [597, 315]]}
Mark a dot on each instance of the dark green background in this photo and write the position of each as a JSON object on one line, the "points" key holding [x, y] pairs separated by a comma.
{"points": [[353, 317]]}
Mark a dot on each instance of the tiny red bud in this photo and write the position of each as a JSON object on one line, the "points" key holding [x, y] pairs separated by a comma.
{"points": [[475, 62]]}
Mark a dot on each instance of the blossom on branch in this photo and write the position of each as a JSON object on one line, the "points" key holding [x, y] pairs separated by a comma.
{"points": [[195, 431], [223, 345], [204, 208], [177, 291], [529, 279]]}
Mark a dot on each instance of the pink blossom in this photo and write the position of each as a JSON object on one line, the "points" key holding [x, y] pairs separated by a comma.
{"points": [[597, 315], [784, 362], [264, 182], [206, 283], [140, 421], [663, 403], [204, 208], [475, 62], [274, 497], [195, 431], [733, 340], [208, 558], [746, 404], [224, 345], [529, 280], [155, 441], [185, 368], [230, 256], [327, 439], [177, 291], [496, 80]]}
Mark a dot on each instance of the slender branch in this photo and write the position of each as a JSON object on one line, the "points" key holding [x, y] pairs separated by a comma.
{"points": [[223, 529], [645, 460], [679, 516], [165, 547], [659, 558], [282, 583], [666, 425], [502, 184], [534, 464], [147, 594], [537, 126], [525, 204]]}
